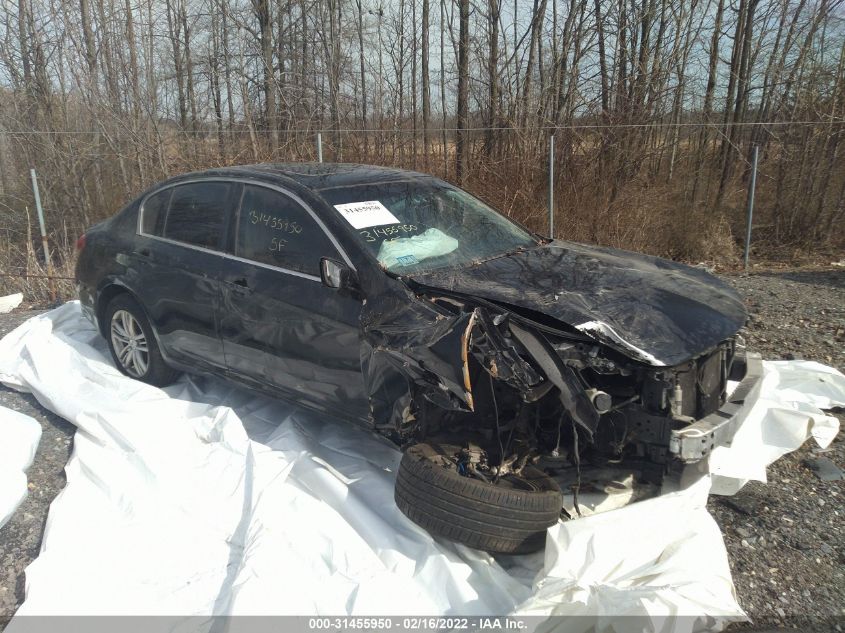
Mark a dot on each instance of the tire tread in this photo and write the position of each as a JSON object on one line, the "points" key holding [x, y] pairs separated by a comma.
{"points": [[474, 512]]}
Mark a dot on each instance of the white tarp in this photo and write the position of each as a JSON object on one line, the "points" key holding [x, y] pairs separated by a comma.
{"points": [[203, 498], [787, 412], [19, 437], [10, 302]]}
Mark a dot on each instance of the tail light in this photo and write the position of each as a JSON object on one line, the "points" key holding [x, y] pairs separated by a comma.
{"points": [[80, 243]]}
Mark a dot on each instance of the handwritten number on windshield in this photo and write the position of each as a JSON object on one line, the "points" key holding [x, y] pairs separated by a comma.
{"points": [[372, 235]]}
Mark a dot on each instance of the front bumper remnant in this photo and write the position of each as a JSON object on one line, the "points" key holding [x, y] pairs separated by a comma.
{"points": [[694, 442]]}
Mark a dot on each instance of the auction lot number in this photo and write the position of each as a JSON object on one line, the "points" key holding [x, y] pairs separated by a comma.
{"points": [[424, 623]]}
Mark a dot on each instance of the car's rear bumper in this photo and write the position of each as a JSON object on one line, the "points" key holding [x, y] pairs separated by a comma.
{"points": [[86, 301], [694, 442]]}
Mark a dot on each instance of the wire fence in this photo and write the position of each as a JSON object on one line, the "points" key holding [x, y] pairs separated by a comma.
{"points": [[419, 129], [633, 222], [18, 275]]}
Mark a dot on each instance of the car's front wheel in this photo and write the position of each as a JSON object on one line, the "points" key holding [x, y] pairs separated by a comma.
{"points": [[508, 516], [132, 343]]}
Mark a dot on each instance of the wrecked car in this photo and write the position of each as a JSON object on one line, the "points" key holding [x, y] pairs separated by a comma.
{"points": [[493, 356]]}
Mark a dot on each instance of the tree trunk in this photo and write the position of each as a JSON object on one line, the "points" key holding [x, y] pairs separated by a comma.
{"points": [[189, 68], [443, 88], [364, 119], [605, 96], [265, 25], [463, 92], [426, 88], [175, 42]]}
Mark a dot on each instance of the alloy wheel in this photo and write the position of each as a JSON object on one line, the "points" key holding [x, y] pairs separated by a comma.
{"points": [[130, 344]]}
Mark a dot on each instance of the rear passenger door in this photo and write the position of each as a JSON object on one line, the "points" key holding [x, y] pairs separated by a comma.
{"points": [[183, 232], [281, 327]]}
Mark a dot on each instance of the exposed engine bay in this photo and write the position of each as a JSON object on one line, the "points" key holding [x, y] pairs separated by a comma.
{"points": [[533, 393]]}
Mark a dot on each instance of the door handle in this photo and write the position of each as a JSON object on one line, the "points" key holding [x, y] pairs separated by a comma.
{"points": [[240, 286]]}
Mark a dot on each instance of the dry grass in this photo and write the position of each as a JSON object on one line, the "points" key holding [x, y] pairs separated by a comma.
{"points": [[22, 270], [633, 206]]}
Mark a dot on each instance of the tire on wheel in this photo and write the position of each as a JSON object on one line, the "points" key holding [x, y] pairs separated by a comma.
{"points": [[509, 517], [132, 343]]}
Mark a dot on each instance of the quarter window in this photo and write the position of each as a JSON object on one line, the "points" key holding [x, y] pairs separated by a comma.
{"points": [[274, 229], [197, 213], [154, 212]]}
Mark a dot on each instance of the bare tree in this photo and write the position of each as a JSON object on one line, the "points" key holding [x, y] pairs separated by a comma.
{"points": [[655, 104], [463, 92]]}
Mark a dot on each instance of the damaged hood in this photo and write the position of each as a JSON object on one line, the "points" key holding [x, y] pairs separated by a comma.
{"points": [[650, 309]]}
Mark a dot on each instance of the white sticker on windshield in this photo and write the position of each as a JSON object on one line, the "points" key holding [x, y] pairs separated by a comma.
{"points": [[365, 214]]}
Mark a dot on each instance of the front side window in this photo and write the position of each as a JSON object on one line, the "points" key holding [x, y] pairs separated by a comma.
{"points": [[425, 224], [275, 229], [197, 214]]}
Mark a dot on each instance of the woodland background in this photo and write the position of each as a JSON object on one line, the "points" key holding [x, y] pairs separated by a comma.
{"points": [[654, 106]]}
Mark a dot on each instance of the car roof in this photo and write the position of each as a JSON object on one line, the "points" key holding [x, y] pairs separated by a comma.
{"points": [[318, 176]]}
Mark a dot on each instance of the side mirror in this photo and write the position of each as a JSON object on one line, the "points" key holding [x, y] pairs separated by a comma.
{"points": [[335, 275]]}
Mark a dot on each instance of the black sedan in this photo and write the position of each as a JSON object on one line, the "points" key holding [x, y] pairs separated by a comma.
{"points": [[491, 355]]}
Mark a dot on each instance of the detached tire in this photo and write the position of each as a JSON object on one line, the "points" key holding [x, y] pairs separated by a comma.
{"points": [[509, 517], [132, 343]]}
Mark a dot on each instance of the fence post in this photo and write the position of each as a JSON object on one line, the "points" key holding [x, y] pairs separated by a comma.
{"points": [[319, 147], [751, 187], [47, 261], [552, 186]]}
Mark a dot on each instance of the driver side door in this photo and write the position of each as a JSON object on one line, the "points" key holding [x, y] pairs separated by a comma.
{"points": [[281, 328]]}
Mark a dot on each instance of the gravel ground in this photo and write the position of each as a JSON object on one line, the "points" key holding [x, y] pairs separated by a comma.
{"points": [[785, 539]]}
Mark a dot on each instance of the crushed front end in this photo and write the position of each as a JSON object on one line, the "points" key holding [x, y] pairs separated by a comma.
{"points": [[515, 390]]}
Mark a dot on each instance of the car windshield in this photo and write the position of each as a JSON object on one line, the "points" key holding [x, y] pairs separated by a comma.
{"points": [[418, 225]]}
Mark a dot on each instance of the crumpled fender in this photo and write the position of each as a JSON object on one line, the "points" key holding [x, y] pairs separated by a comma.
{"points": [[413, 346], [500, 358]]}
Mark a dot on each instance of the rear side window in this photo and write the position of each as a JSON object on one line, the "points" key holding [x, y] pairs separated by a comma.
{"points": [[275, 229], [154, 212], [197, 214]]}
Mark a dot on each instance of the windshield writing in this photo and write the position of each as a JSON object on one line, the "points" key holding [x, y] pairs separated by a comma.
{"points": [[419, 225]]}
